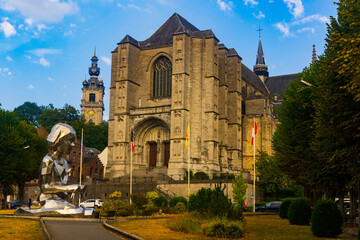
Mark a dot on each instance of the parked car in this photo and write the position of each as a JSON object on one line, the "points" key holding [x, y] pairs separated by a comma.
{"points": [[269, 207], [90, 203], [15, 204]]}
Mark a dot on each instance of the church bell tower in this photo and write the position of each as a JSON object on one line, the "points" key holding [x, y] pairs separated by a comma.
{"points": [[92, 104], [260, 68]]}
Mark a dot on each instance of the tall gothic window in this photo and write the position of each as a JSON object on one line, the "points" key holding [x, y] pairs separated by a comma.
{"points": [[162, 77]]}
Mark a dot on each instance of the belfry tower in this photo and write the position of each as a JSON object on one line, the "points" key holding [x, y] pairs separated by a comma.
{"points": [[260, 68], [92, 104]]}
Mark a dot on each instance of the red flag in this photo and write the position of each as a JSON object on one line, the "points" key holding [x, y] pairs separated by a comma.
{"points": [[254, 131], [132, 142]]}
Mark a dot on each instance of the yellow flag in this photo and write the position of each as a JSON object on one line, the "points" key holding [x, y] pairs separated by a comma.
{"points": [[187, 137]]}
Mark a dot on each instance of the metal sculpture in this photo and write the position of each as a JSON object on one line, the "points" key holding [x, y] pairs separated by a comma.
{"points": [[54, 174]]}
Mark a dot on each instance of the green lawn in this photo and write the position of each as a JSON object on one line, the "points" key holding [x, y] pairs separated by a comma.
{"points": [[268, 227]]}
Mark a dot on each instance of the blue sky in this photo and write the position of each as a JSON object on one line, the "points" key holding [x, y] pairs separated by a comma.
{"points": [[46, 45]]}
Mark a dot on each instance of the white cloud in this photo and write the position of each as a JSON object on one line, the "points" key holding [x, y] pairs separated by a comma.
{"points": [[44, 62], [9, 73], [296, 7], [315, 17], [28, 57], [50, 79], [41, 10], [251, 2], [284, 28], [106, 60], [30, 86], [29, 21], [259, 16], [5, 69], [130, 5], [164, 2], [20, 26], [225, 6], [306, 29], [68, 33], [72, 25], [40, 52], [41, 27], [118, 5], [7, 28], [9, 58]]}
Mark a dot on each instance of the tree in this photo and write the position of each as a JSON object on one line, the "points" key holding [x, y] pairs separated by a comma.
{"points": [[239, 189], [28, 112], [271, 178], [295, 131], [21, 151]]}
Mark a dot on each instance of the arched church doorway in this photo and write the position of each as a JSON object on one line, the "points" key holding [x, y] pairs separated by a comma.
{"points": [[152, 138]]}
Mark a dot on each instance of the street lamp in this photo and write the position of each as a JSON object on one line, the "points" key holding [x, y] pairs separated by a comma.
{"points": [[306, 83]]}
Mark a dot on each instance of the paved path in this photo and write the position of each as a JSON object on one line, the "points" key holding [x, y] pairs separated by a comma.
{"points": [[66, 229]]}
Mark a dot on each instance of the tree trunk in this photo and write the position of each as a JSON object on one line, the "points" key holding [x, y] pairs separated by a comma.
{"points": [[5, 202], [21, 193], [353, 205]]}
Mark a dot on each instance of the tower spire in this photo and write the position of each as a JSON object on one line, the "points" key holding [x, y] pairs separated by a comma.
{"points": [[313, 54], [95, 51], [260, 68]]}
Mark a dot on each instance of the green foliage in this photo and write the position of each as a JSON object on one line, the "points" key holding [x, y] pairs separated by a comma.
{"points": [[177, 199], [201, 175], [161, 201], [326, 220], [239, 189], [185, 223], [21, 152], [299, 212], [180, 207], [28, 112], [139, 200], [235, 213], [284, 207], [222, 228], [119, 207], [223, 176], [212, 202], [151, 196], [271, 178]]}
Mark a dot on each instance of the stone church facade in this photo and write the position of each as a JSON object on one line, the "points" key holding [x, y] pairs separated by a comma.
{"points": [[182, 76]]}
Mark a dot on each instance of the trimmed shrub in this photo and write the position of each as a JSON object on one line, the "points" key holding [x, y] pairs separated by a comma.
{"points": [[161, 201], [299, 212], [284, 207], [177, 199], [139, 200], [224, 229], [180, 207], [194, 203], [201, 175], [326, 220], [127, 210]]}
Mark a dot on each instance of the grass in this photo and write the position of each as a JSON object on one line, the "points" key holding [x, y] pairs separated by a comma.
{"points": [[20, 229], [272, 227], [268, 227]]}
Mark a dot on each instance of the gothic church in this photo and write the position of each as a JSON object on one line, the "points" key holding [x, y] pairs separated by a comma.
{"points": [[184, 77]]}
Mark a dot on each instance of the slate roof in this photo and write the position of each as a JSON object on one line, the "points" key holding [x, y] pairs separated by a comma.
{"points": [[251, 77], [89, 153], [278, 84], [176, 24]]}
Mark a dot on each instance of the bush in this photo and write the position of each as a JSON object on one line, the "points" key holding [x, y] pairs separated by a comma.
{"points": [[177, 199], [180, 207], [299, 212], [201, 175], [115, 195], [151, 196], [184, 223], [127, 210], [139, 200], [219, 203], [284, 207], [326, 220], [235, 213], [224, 229], [161, 201]]}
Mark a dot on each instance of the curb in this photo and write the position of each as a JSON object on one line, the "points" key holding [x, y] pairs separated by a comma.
{"points": [[123, 233]]}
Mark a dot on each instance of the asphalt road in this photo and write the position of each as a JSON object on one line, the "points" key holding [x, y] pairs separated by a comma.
{"points": [[78, 230]]}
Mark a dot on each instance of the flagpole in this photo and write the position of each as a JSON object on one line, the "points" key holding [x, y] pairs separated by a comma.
{"points": [[131, 164], [188, 136], [254, 167], [81, 160]]}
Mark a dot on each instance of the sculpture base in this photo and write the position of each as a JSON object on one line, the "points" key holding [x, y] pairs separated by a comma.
{"points": [[56, 208]]}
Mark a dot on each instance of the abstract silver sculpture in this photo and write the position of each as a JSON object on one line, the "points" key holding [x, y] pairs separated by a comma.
{"points": [[54, 174]]}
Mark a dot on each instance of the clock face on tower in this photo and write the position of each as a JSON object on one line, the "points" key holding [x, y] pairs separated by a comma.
{"points": [[91, 112]]}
